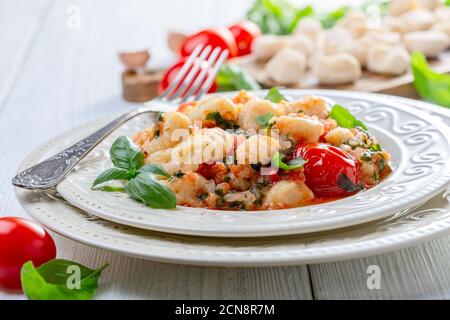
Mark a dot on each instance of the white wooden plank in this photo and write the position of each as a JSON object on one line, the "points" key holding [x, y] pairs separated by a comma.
{"points": [[71, 77], [20, 22], [421, 272]]}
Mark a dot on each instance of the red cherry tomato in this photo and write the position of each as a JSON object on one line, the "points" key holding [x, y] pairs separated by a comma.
{"points": [[206, 170], [171, 73], [244, 33], [215, 37], [20, 241], [329, 171]]}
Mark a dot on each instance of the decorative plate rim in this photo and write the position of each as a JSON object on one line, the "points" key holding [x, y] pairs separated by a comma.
{"points": [[354, 249]]}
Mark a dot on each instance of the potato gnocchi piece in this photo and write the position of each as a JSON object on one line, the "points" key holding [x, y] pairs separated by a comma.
{"points": [[266, 46], [188, 188], [442, 14], [337, 69], [303, 44], [399, 7], [299, 129], [224, 106], [417, 20], [430, 42], [204, 146], [385, 59], [251, 111], [257, 149], [310, 106], [335, 41], [288, 194], [338, 136], [164, 134], [355, 21], [309, 27], [287, 66]]}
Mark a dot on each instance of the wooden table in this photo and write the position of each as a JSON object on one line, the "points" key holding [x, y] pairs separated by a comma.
{"points": [[54, 77]]}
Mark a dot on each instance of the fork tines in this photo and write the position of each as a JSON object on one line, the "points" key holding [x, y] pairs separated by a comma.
{"points": [[197, 74]]}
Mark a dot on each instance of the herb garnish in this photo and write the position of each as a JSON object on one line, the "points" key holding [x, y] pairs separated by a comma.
{"points": [[345, 118], [142, 184], [430, 85], [51, 281], [220, 121], [346, 184], [275, 95], [264, 120], [295, 163], [230, 77]]}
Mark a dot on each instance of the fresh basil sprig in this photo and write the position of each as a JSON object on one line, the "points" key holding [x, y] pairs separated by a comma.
{"points": [[264, 120], [345, 118], [112, 174], [155, 169], [430, 85], [295, 163], [142, 184], [126, 155], [275, 95], [60, 279], [145, 188]]}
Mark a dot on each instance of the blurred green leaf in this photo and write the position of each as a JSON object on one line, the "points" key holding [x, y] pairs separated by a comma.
{"points": [[277, 16], [231, 77], [328, 20], [430, 85]]}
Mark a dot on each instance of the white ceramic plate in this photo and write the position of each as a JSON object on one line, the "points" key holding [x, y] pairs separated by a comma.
{"points": [[419, 145], [400, 230]]}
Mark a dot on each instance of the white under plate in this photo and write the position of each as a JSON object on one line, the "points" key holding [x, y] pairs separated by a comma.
{"points": [[403, 229], [419, 145]]}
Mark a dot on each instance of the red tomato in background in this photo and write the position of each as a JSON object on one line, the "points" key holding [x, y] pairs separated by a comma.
{"points": [[22, 240], [325, 169], [171, 73], [215, 37], [244, 33]]}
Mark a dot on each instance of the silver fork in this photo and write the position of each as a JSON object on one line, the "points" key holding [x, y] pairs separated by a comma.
{"points": [[51, 171]]}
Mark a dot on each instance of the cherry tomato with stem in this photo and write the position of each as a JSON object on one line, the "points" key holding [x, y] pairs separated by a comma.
{"points": [[329, 171], [22, 240]]}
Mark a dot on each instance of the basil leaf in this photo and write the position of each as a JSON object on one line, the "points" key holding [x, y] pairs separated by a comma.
{"points": [[275, 95], [230, 77], [59, 279], [155, 169], [277, 16], [221, 122], [344, 118], [112, 174], [328, 20], [264, 120], [291, 165], [145, 188], [346, 184], [125, 154], [376, 147], [430, 85]]}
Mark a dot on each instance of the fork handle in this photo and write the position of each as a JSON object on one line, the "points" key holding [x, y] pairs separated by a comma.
{"points": [[50, 172]]}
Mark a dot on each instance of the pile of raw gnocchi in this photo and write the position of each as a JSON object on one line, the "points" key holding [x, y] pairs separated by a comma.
{"points": [[381, 44]]}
